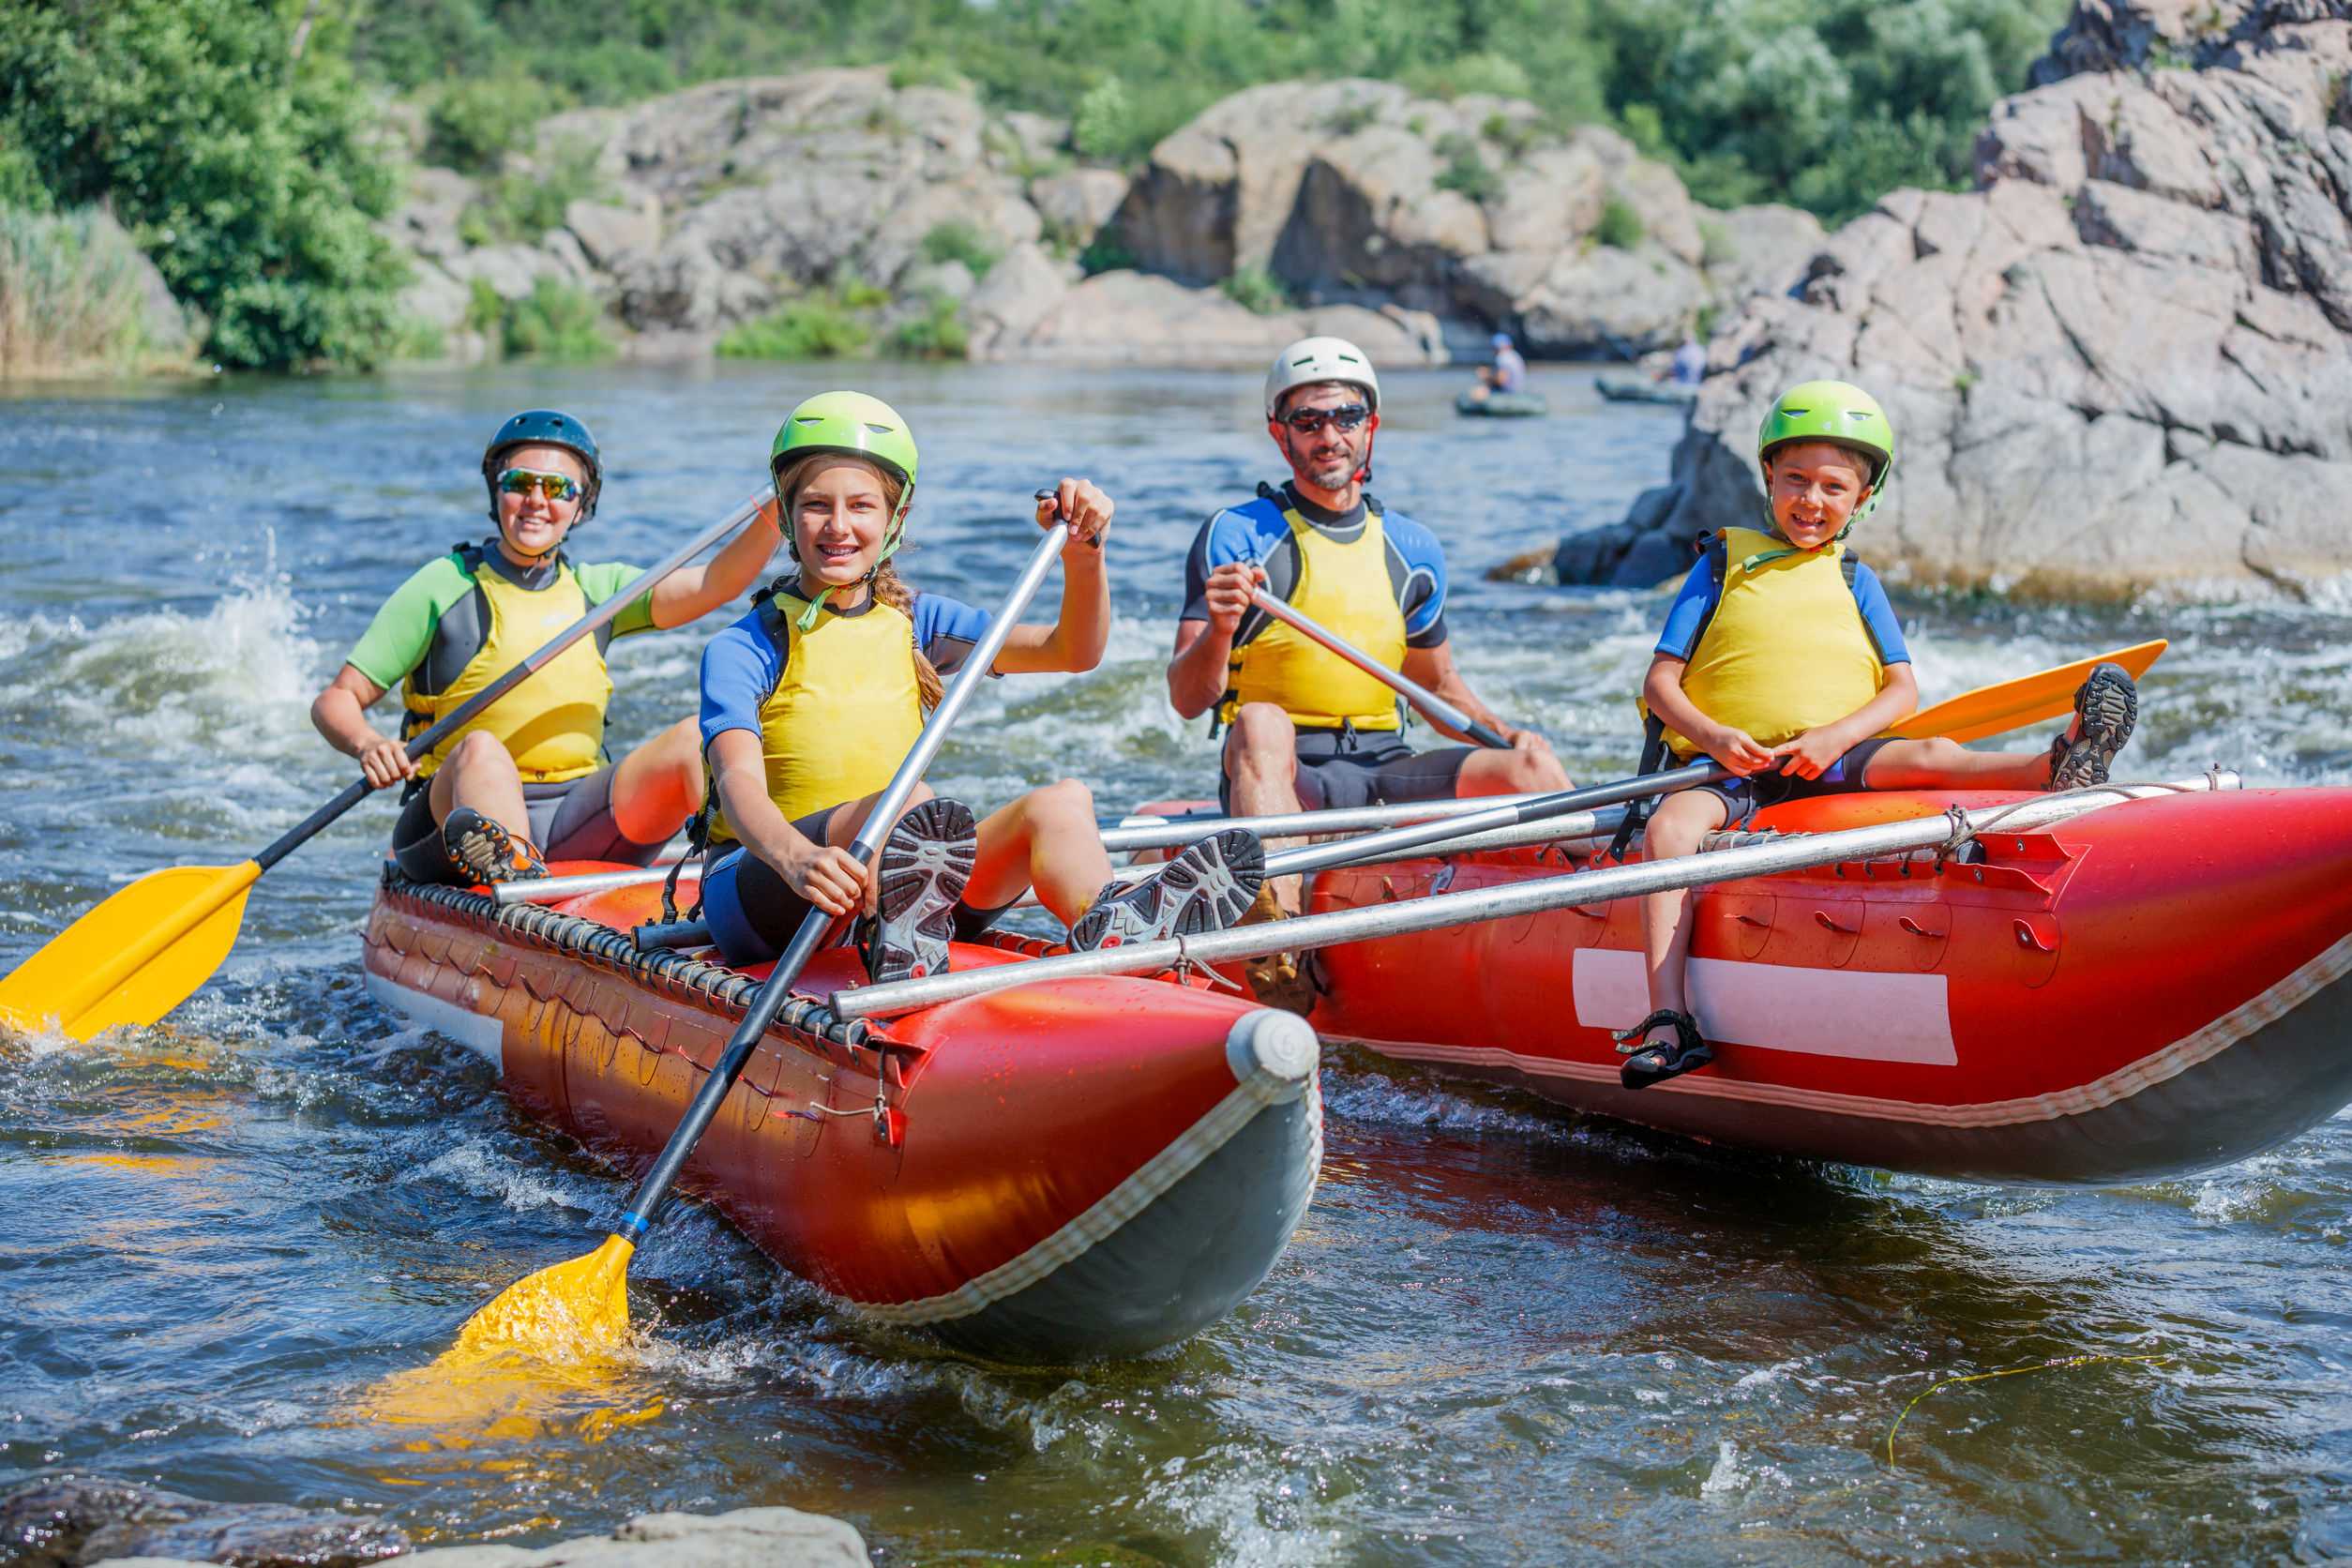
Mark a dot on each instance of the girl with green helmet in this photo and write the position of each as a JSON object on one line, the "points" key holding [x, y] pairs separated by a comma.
{"points": [[529, 779], [810, 702], [1783, 661]]}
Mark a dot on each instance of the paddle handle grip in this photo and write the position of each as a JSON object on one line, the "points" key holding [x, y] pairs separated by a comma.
{"points": [[1412, 691], [472, 708], [645, 1202]]}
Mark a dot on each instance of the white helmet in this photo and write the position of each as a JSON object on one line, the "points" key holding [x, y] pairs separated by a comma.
{"points": [[1316, 360]]}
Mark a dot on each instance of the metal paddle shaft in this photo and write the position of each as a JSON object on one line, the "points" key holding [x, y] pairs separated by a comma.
{"points": [[1413, 691], [1374, 845], [1162, 833], [1796, 853], [777, 989], [472, 708]]}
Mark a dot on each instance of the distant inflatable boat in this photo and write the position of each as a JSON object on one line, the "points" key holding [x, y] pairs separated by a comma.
{"points": [[1502, 405], [1628, 390]]}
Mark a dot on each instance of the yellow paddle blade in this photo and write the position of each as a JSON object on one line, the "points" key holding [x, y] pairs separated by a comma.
{"points": [[2029, 700], [134, 957], [573, 1311]]}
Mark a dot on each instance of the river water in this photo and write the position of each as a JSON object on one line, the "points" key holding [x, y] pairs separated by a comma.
{"points": [[1502, 1334]]}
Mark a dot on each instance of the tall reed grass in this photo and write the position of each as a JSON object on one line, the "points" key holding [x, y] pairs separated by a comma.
{"points": [[72, 298]]}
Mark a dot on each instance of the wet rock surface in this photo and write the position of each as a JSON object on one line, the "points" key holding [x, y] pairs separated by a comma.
{"points": [[71, 1521], [2123, 362]]}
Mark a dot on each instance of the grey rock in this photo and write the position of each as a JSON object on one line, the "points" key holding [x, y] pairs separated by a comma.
{"points": [[2123, 363], [1020, 290], [427, 221], [1609, 301], [510, 270], [608, 233], [64, 1521], [1770, 250], [1074, 205], [938, 280], [1550, 200], [434, 297], [1037, 140], [745, 1538], [1141, 319]]}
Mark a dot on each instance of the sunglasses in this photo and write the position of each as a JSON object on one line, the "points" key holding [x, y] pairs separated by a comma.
{"points": [[1347, 416], [522, 481]]}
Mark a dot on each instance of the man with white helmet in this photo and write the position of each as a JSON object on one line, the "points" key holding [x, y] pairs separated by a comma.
{"points": [[1307, 728]]}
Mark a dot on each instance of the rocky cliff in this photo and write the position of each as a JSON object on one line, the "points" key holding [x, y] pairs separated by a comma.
{"points": [[1387, 218], [2123, 362]]}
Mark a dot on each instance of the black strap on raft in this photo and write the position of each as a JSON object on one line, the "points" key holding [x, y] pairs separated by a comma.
{"points": [[1715, 550]]}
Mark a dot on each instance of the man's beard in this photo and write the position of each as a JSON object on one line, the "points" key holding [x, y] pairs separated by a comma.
{"points": [[1331, 473]]}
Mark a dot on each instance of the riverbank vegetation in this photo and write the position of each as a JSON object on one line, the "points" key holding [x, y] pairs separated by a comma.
{"points": [[72, 298], [246, 144]]}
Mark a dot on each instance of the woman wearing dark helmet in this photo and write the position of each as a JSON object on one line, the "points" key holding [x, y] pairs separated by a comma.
{"points": [[528, 779]]}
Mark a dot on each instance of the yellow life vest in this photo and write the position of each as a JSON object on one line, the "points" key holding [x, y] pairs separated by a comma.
{"points": [[552, 724], [845, 712], [1787, 649], [1345, 588]]}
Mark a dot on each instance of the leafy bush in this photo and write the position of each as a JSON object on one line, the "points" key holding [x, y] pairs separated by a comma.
{"points": [[1621, 226], [926, 70], [1492, 74], [557, 320], [474, 124], [70, 295], [817, 327], [958, 240], [1466, 170], [523, 204], [938, 334], [1100, 127], [252, 180], [21, 185], [1715, 247], [1258, 291]]}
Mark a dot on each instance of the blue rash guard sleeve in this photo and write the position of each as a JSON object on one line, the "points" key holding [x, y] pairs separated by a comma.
{"points": [[1236, 534], [948, 630], [1423, 599], [739, 670], [1688, 614], [1879, 615]]}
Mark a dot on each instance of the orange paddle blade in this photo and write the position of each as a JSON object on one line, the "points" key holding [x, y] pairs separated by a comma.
{"points": [[134, 957], [2029, 700]]}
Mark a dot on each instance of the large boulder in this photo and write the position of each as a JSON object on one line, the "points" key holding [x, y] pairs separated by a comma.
{"points": [[1133, 318], [1075, 204], [2123, 362], [1020, 290], [1472, 209]]}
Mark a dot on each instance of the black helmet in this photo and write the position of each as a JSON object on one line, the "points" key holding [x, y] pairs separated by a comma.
{"points": [[544, 427]]}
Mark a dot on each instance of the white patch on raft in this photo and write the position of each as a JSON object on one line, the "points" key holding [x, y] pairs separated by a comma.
{"points": [[1817, 1012], [482, 1035]]}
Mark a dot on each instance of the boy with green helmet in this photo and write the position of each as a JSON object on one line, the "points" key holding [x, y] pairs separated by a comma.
{"points": [[1783, 661], [810, 702], [528, 779]]}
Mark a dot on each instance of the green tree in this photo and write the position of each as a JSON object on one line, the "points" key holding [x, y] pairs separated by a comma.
{"points": [[251, 178]]}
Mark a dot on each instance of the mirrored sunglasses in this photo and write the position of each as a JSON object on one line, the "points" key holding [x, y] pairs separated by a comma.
{"points": [[522, 481], [1348, 417]]}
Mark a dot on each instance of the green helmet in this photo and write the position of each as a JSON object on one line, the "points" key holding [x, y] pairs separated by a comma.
{"points": [[545, 426], [1833, 411], [850, 424]]}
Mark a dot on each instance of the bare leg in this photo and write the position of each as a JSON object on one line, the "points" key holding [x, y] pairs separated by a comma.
{"points": [[1261, 758], [479, 773], [1047, 839], [1678, 826], [841, 830], [1941, 763], [659, 785], [1489, 771]]}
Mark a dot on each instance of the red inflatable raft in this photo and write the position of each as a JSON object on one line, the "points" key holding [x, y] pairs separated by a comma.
{"points": [[2144, 989], [1047, 1174]]}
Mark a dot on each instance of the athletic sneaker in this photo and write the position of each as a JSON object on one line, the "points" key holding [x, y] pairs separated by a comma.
{"points": [[2106, 705], [486, 852], [924, 865], [1206, 888]]}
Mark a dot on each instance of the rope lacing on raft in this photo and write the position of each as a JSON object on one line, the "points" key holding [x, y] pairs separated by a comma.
{"points": [[725, 990]]}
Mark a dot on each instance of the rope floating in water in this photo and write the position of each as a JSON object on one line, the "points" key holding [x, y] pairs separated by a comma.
{"points": [[2051, 1365]]}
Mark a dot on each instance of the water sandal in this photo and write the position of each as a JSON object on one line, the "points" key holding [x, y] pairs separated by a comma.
{"points": [[1278, 979], [1207, 888], [485, 851], [924, 865], [2106, 705], [1646, 1064]]}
